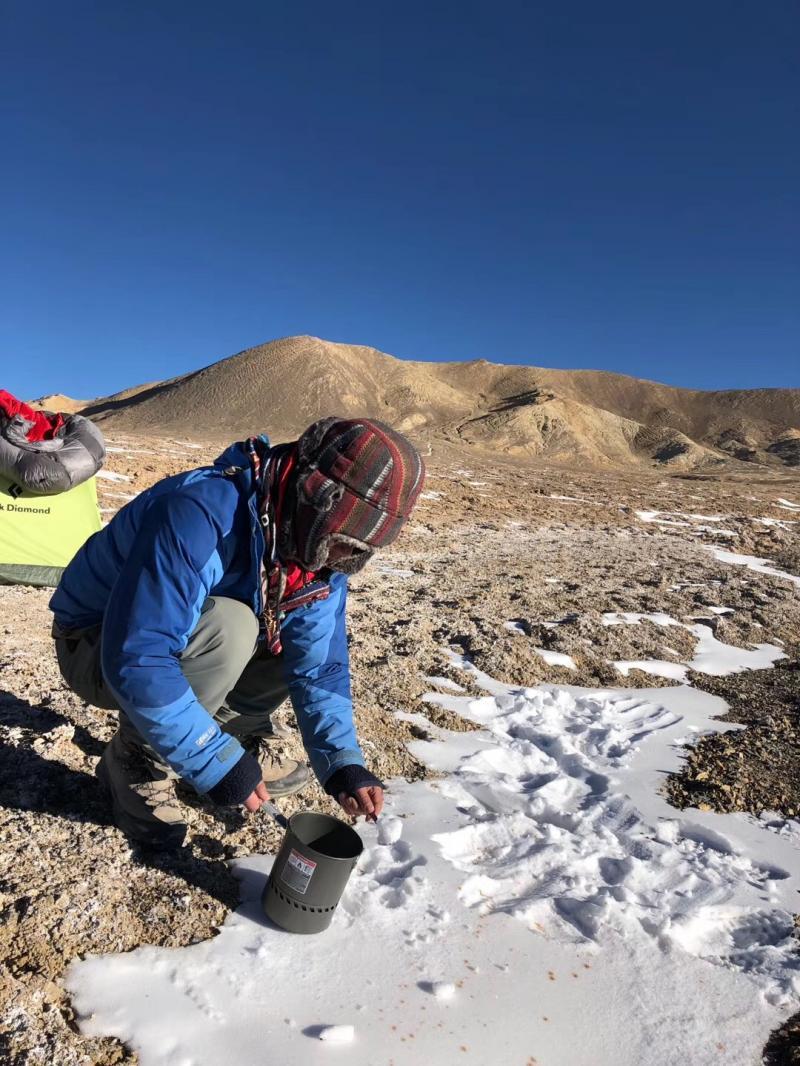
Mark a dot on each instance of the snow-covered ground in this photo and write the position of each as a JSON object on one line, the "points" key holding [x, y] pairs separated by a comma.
{"points": [[109, 475], [752, 562], [556, 658], [712, 656], [539, 903]]}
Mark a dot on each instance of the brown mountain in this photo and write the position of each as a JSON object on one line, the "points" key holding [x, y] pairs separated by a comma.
{"points": [[587, 415], [59, 402]]}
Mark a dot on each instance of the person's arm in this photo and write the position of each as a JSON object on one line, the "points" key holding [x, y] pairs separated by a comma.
{"points": [[153, 608], [317, 669]]}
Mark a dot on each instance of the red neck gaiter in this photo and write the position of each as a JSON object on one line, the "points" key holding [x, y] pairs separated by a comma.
{"points": [[296, 576]]}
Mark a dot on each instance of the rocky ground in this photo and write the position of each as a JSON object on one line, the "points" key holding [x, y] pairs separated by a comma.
{"points": [[500, 564]]}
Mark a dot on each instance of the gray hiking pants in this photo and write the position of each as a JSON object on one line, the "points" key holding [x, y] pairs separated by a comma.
{"points": [[239, 684]]}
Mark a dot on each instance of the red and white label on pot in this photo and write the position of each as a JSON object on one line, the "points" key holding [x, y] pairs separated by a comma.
{"points": [[297, 872]]}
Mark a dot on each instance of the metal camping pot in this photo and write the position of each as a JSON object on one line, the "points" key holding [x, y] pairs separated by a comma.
{"points": [[310, 872]]}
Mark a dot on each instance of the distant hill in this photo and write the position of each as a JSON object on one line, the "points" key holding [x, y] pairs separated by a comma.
{"points": [[58, 402], [567, 415]]}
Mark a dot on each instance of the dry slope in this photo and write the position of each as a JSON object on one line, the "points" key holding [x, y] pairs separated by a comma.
{"points": [[522, 411]]}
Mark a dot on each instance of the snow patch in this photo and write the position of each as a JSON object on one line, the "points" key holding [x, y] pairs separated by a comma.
{"points": [[718, 659], [655, 667], [130, 451], [752, 562], [444, 682], [556, 658], [619, 618], [652, 516], [676, 519], [578, 854], [574, 499], [711, 656], [778, 523], [109, 475], [542, 871]]}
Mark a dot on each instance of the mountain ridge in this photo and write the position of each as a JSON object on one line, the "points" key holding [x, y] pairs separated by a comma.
{"points": [[595, 416]]}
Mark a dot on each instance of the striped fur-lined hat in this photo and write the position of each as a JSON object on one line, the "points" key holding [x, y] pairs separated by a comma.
{"points": [[356, 482]]}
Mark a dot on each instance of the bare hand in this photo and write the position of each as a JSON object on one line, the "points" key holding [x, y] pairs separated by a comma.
{"points": [[256, 798], [366, 801]]}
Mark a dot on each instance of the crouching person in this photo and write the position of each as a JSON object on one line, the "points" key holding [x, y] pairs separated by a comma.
{"points": [[216, 594]]}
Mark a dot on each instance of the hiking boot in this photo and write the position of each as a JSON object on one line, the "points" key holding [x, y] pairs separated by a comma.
{"points": [[142, 793], [282, 776]]}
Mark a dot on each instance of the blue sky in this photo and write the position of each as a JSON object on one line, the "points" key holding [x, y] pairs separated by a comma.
{"points": [[565, 184]]}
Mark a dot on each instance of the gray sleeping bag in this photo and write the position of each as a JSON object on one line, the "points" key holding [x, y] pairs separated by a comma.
{"points": [[47, 467]]}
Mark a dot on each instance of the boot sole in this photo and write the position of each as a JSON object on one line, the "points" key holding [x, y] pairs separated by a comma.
{"points": [[275, 788]]}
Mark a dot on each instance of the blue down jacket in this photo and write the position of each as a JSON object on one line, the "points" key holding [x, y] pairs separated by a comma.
{"points": [[146, 577]]}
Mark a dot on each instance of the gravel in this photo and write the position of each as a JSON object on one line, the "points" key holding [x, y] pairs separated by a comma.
{"points": [[478, 556]]}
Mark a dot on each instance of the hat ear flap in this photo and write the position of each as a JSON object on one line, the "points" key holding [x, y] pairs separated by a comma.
{"points": [[319, 556], [362, 553]]}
